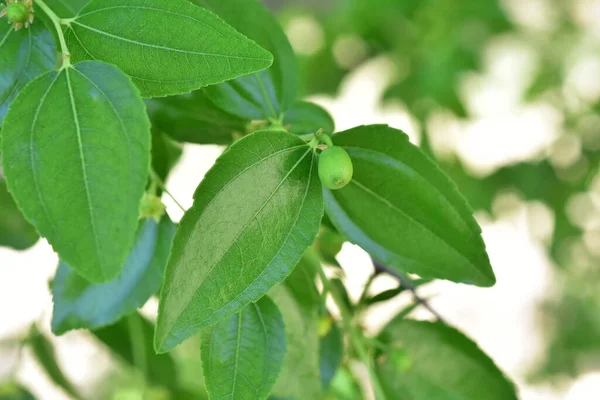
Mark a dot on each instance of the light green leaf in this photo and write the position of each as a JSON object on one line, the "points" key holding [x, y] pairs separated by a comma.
{"points": [[270, 92], [304, 117], [24, 55], [417, 221], [160, 368], [430, 360], [76, 154], [254, 214], [194, 118], [166, 47], [242, 354], [15, 231], [66, 8], [43, 351], [300, 377], [14, 391], [80, 304]]}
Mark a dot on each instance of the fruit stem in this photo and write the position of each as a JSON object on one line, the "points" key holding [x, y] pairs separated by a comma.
{"points": [[161, 184], [323, 138], [61, 37], [356, 338]]}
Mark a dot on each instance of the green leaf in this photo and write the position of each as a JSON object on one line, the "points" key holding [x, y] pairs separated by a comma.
{"points": [[304, 117], [66, 8], [417, 221], [15, 231], [331, 351], [24, 55], [14, 391], [242, 354], [299, 378], [80, 304], [270, 92], [160, 369], [194, 118], [167, 47], [75, 152], [430, 360], [254, 214], [43, 350], [165, 154]]}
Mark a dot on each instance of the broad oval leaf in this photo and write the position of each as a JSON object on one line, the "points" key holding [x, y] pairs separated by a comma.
{"points": [[254, 214], [76, 154], [66, 8], [80, 304], [24, 55], [15, 231], [160, 368], [242, 354], [267, 93], [305, 117], [430, 360], [166, 47], [194, 118], [402, 209]]}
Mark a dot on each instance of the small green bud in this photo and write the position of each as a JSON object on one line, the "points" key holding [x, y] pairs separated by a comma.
{"points": [[335, 168], [152, 207], [17, 12]]}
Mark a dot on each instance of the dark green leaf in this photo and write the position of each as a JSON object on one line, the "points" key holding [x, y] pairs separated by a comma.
{"points": [[165, 154], [254, 214], [43, 351], [66, 8], [341, 288], [160, 369], [430, 360], [299, 378], [13, 391], [301, 281], [304, 117], [383, 296], [194, 118], [167, 47], [24, 55], [417, 222], [15, 231], [242, 355], [331, 351], [270, 92], [75, 152], [80, 304]]}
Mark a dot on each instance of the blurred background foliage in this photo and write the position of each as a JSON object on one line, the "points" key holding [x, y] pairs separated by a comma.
{"points": [[438, 48]]}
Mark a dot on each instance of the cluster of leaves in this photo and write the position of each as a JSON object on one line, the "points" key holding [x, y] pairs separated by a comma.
{"points": [[84, 157]]}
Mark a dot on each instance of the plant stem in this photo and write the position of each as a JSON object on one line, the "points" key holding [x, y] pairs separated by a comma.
{"points": [[407, 283], [161, 184], [355, 336], [61, 37], [136, 334]]}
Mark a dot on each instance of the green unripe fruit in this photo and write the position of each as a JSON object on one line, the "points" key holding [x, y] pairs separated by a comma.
{"points": [[335, 168], [17, 12]]}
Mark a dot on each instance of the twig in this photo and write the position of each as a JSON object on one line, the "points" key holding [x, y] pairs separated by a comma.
{"points": [[407, 283]]}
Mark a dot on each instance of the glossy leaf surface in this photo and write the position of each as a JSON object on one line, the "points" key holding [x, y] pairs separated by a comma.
{"points": [[194, 118], [417, 222], [66, 8], [166, 47], [254, 214], [242, 354], [267, 93], [24, 55], [76, 153], [80, 304], [430, 360]]}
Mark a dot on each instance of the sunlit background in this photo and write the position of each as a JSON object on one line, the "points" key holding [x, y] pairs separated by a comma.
{"points": [[506, 96]]}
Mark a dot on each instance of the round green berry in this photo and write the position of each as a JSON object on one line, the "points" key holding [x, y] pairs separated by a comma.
{"points": [[335, 168], [17, 12]]}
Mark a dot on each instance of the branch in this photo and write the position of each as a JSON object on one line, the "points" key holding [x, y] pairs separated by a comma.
{"points": [[406, 283]]}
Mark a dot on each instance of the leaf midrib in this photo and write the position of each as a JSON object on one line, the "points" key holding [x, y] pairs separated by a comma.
{"points": [[187, 52]]}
